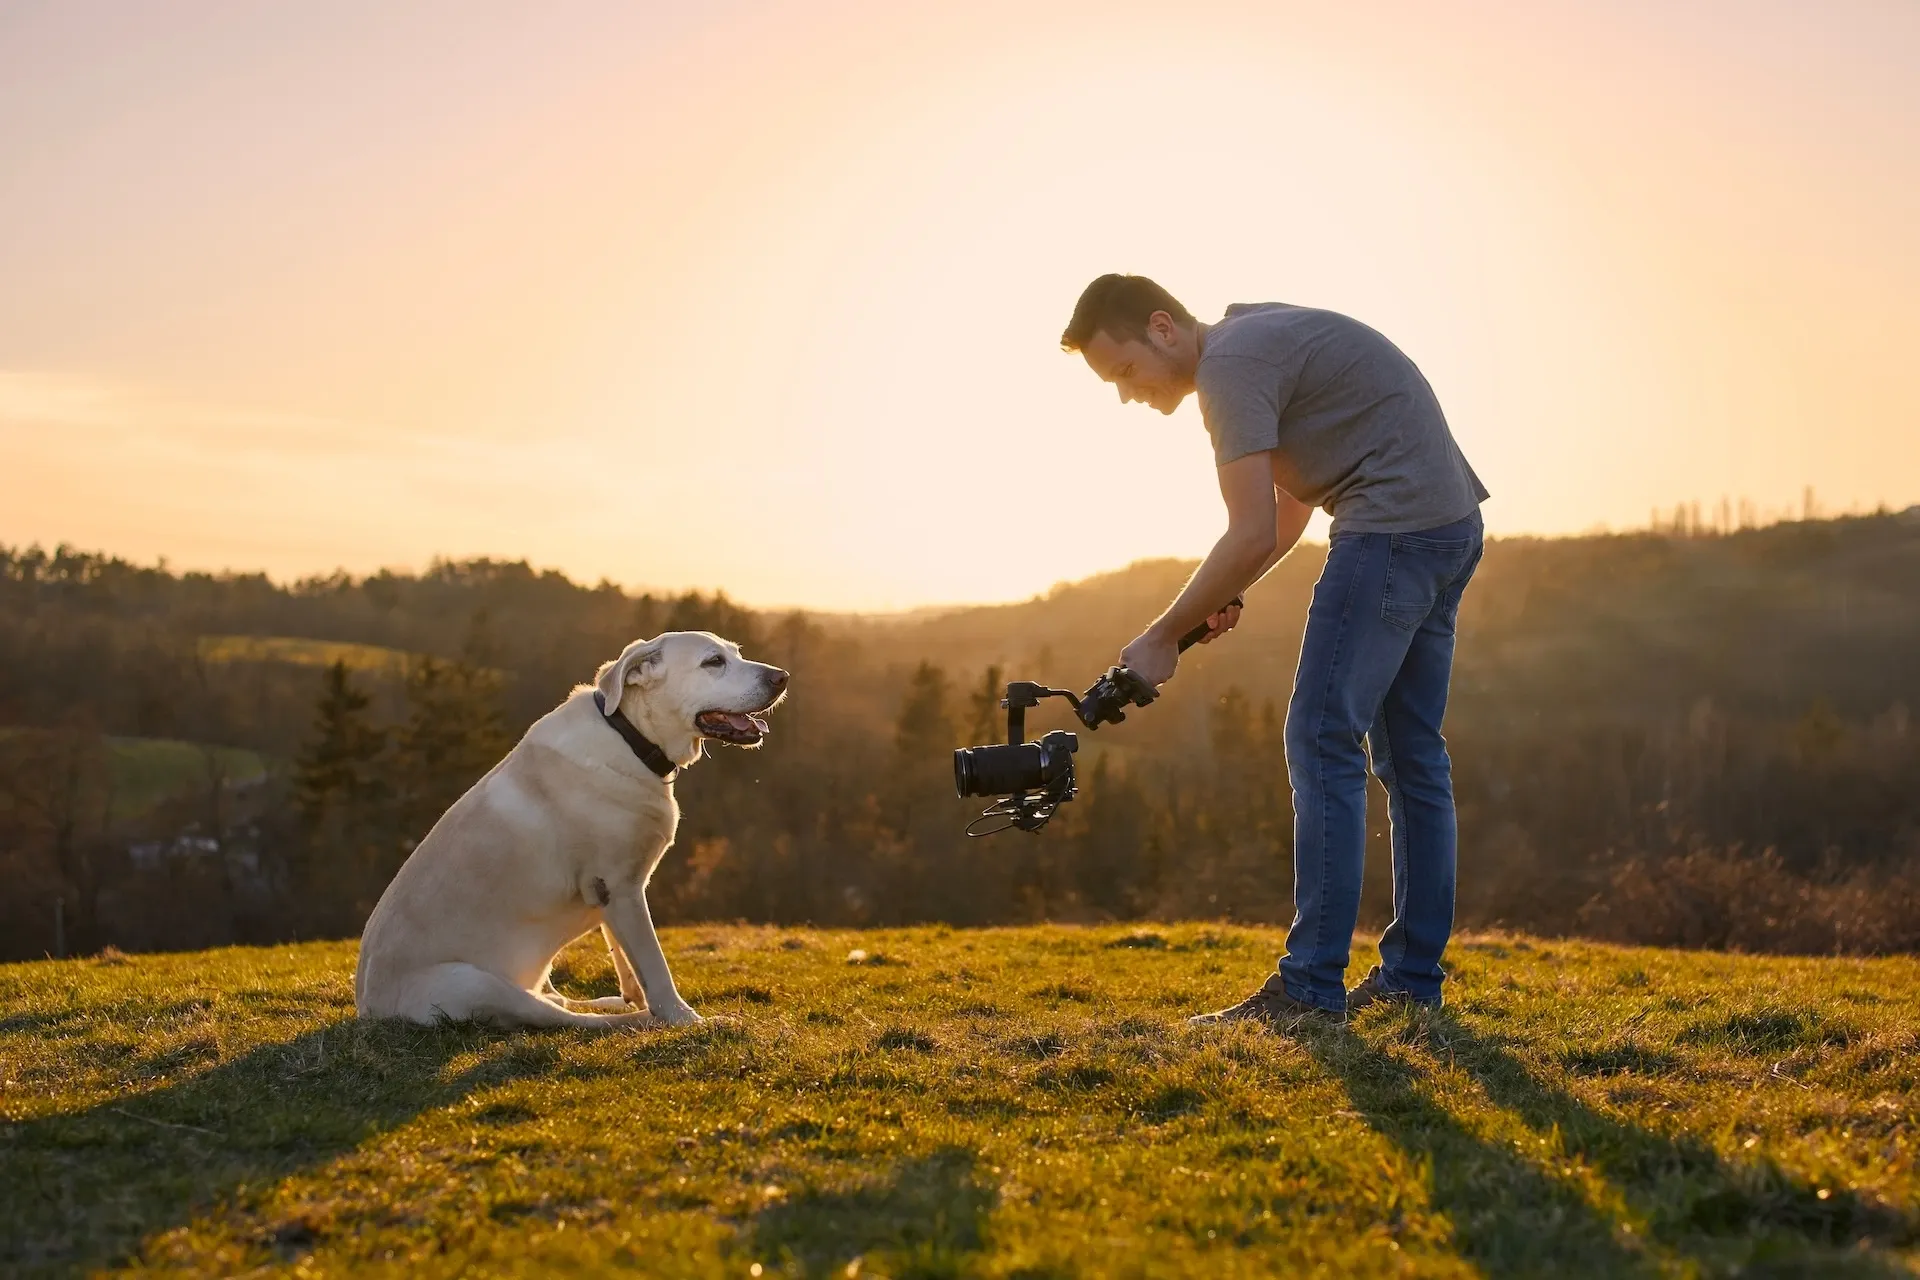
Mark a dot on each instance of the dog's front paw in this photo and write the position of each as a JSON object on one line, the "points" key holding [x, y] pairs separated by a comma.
{"points": [[679, 1015]]}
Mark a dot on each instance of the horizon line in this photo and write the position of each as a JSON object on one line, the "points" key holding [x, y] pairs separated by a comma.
{"points": [[1682, 522]]}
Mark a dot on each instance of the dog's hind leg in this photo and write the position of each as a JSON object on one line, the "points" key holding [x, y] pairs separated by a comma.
{"points": [[606, 1004], [464, 992]]}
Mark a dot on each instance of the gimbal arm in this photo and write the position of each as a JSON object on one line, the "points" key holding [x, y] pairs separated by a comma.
{"points": [[1022, 694]]}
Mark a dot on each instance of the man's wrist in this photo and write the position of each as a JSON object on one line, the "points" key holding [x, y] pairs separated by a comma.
{"points": [[1161, 633]]}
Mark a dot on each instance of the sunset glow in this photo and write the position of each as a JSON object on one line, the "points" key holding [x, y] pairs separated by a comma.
{"points": [[767, 296]]}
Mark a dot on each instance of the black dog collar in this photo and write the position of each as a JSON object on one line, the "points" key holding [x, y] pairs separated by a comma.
{"points": [[650, 755]]}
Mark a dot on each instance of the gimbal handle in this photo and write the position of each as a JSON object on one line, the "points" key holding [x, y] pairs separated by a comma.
{"points": [[1122, 686], [1199, 633], [1098, 705]]}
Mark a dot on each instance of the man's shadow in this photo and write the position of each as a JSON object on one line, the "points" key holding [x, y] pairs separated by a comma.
{"points": [[926, 1216], [82, 1189], [1696, 1205], [1482, 1187]]}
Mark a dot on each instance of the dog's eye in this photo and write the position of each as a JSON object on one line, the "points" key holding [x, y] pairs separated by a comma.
{"points": [[716, 661]]}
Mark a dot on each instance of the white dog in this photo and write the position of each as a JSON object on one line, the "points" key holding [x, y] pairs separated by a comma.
{"points": [[562, 835]]}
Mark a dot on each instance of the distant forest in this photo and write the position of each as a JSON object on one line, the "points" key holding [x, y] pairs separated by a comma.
{"points": [[1669, 737]]}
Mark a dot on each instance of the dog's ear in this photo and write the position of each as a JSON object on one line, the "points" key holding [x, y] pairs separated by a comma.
{"points": [[641, 664]]}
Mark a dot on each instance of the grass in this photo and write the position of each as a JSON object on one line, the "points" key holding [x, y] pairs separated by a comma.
{"points": [[148, 772], [144, 773], [301, 652], [1020, 1102]]}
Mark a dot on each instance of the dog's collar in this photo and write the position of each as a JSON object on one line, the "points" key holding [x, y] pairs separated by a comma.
{"points": [[650, 755]]}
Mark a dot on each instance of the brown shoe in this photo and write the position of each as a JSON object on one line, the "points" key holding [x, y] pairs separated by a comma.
{"points": [[1273, 1007], [1373, 990]]}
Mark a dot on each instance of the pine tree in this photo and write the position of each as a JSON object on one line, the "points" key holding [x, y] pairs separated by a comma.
{"points": [[984, 723], [340, 776], [1238, 774], [923, 734], [455, 732], [925, 725], [340, 784]]}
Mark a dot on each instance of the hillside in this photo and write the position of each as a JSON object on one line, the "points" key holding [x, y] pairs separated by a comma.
{"points": [[144, 773], [1657, 737], [1001, 1102], [1614, 626]]}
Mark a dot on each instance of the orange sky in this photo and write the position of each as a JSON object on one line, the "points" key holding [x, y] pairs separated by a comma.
{"points": [[766, 296]]}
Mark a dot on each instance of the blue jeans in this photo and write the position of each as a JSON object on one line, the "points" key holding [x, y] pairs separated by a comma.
{"points": [[1374, 668]]}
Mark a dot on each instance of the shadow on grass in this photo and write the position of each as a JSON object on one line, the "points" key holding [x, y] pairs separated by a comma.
{"points": [[1512, 1217], [1695, 1202], [924, 1219], [33, 1021], [86, 1188], [1509, 1216]]}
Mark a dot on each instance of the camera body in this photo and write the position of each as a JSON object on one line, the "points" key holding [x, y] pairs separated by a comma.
{"points": [[1017, 766], [1034, 779]]}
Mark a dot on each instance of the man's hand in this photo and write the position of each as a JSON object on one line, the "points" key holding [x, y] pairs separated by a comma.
{"points": [[1221, 623], [1151, 657]]}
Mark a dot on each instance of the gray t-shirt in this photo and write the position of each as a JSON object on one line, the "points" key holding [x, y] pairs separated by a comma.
{"points": [[1353, 424]]}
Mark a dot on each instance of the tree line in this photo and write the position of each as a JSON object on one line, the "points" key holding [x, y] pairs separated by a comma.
{"points": [[1656, 737]]}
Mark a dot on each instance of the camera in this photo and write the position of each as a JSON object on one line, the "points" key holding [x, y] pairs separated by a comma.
{"points": [[1034, 779], [1018, 766]]}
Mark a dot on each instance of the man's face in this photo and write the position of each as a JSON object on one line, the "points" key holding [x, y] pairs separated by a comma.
{"points": [[1147, 369]]}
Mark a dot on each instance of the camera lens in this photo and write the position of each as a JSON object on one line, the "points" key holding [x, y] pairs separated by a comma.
{"points": [[1003, 770], [997, 771]]}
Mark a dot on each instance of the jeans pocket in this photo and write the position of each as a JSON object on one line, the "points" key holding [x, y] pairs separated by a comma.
{"points": [[1419, 572]]}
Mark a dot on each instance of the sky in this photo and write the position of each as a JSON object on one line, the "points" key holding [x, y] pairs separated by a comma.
{"points": [[767, 296]]}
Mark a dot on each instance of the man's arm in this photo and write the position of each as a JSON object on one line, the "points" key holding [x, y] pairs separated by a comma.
{"points": [[1290, 522], [1245, 551]]}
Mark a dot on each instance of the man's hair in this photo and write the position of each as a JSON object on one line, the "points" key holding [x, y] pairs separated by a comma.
{"points": [[1118, 306]]}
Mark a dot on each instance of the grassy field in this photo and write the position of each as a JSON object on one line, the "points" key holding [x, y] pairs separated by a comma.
{"points": [[1020, 1102], [144, 773], [301, 652], [148, 772]]}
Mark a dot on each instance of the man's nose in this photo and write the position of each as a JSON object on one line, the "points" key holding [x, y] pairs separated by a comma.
{"points": [[1126, 396]]}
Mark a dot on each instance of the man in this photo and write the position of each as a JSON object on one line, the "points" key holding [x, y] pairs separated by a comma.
{"points": [[1311, 409]]}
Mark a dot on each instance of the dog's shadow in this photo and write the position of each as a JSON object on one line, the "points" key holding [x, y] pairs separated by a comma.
{"points": [[85, 1188]]}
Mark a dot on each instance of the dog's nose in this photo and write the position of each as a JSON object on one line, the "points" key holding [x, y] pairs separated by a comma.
{"points": [[778, 679]]}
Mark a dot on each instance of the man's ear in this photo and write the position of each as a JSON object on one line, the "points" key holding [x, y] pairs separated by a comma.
{"points": [[1162, 330], [641, 664]]}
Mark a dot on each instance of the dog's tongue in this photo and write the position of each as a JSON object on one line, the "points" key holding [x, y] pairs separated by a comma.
{"points": [[740, 721]]}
